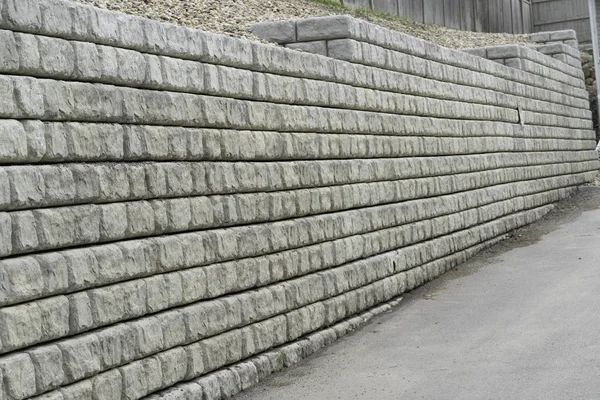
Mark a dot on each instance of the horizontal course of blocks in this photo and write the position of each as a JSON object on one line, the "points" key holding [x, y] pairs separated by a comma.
{"points": [[531, 60], [183, 213], [567, 37], [358, 41]]}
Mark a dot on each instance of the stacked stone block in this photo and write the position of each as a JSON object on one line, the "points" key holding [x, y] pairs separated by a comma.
{"points": [[567, 37], [562, 52], [560, 45], [183, 213], [521, 57]]}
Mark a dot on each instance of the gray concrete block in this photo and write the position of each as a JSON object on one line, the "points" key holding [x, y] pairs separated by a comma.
{"points": [[263, 367], [21, 325], [57, 16], [13, 145], [292, 354], [560, 57], [153, 372], [230, 383], [107, 385], [574, 62], [480, 52], [540, 37], [80, 312], [104, 26], [135, 380], [8, 50], [513, 63], [174, 364], [27, 185], [128, 67], [322, 28], [22, 280], [506, 51], [113, 345], [211, 387], [195, 361], [81, 357], [25, 14], [150, 337], [54, 317], [24, 233], [278, 31], [57, 57], [6, 240], [157, 293], [344, 49], [224, 50], [567, 34], [29, 53], [573, 43], [19, 376], [47, 362], [315, 47], [78, 391], [550, 49], [248, 374], [203, 320]]}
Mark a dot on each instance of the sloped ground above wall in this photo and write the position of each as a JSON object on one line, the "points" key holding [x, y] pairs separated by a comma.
{"points": [[183, 212], [235, 18]]}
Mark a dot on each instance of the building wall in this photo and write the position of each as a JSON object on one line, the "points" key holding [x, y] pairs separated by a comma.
{"points": [[183, 213], [512, 16], [555, 15]]}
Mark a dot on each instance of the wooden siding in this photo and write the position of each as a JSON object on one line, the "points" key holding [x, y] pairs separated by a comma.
{"points": [[555, 15], [512, 16]]}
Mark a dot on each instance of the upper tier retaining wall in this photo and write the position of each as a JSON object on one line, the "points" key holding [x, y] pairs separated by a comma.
{"points": [[183, 213]]}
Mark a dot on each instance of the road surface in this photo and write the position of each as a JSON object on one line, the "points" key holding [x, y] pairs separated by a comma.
{"points": [[520, 321]]}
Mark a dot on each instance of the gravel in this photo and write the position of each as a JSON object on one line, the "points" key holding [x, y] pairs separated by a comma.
{"points": [[596, 181], [235, 18]]}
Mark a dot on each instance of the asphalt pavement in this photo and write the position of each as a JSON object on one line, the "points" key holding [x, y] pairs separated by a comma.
{"points": [[519, 321]]}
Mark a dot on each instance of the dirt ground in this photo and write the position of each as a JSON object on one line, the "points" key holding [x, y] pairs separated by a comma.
{"points": [[236, 17]]}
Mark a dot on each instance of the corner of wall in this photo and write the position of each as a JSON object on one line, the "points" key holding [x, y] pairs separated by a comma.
{"points": [[567, 37]]}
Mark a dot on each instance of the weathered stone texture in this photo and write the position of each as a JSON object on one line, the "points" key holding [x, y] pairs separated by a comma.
{"points": [[183, 214]]}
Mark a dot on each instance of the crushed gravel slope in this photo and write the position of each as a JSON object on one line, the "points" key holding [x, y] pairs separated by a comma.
{"points": [[235, 17]]}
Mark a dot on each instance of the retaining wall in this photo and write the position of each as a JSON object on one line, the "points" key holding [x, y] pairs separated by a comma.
{"points": [[183, 213]]}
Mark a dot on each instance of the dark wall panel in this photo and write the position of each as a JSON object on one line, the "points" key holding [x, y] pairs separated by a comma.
{"points": [[452, 13], [559, 11], [582, 27], [527, 20], [553, 15], [507, 25], [482, 16], [412, 9], [495, 12], [517, 16], [386, 6], [357, 3], [511, 16], [434, 12], [467, 15]]}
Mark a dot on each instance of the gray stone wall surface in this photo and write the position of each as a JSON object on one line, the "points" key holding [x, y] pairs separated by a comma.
{"points": [[183, 213], [567, 37]]}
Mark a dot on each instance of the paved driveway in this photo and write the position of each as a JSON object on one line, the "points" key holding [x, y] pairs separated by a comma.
{"points": [[520, 321]]}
